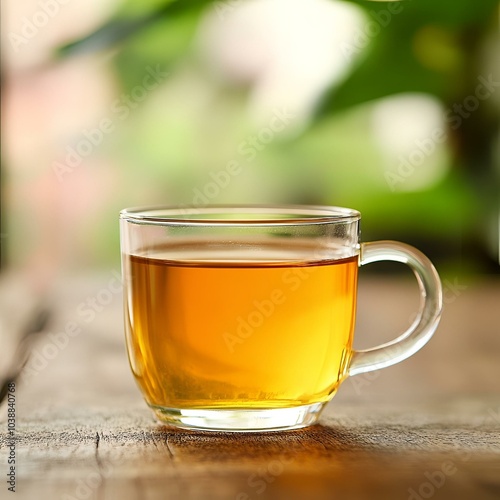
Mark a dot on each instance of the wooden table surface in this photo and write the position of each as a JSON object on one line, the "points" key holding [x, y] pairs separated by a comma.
{"points": [[426, 428]]}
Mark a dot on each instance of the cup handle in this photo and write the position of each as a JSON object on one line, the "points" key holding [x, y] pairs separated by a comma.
{"points": [[427, 321]]}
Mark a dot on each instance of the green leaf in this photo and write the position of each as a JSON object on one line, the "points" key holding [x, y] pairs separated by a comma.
{"points": [[151, 47], [108, 35], [133, 8], [133, 18]]}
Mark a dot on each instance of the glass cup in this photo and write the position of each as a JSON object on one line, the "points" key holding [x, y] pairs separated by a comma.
{"points": [[241, 318]]}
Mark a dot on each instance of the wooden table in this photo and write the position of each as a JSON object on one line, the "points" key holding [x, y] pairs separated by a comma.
{"points": [[426, 428]]}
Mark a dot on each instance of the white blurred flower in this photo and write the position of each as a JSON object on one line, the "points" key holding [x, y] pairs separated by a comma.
{"points": [[288, 51], [411, 132]]}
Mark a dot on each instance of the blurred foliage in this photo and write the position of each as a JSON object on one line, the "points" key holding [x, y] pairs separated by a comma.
{"points": [[393, 64], [155, 30], [428, 46]]}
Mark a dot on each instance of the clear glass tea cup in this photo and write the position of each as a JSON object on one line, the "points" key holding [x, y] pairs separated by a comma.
{"points": [[241, 318]]}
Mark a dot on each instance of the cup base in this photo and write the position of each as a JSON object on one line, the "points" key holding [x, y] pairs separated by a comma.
{"points": [[241, 420]]}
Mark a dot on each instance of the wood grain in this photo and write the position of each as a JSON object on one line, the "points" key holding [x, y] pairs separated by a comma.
{"points": [[429, 427]]}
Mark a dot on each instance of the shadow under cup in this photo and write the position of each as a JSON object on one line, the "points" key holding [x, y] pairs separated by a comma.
{"points": [[242, 318]]}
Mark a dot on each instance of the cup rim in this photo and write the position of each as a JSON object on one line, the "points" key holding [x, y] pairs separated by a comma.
{"points": [[239, 215]]}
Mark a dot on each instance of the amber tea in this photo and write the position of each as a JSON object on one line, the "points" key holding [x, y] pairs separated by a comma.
{"points": [[267, 333]]}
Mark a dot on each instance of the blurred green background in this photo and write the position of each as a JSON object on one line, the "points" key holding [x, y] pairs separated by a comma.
{"points": [[388, 107]]}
